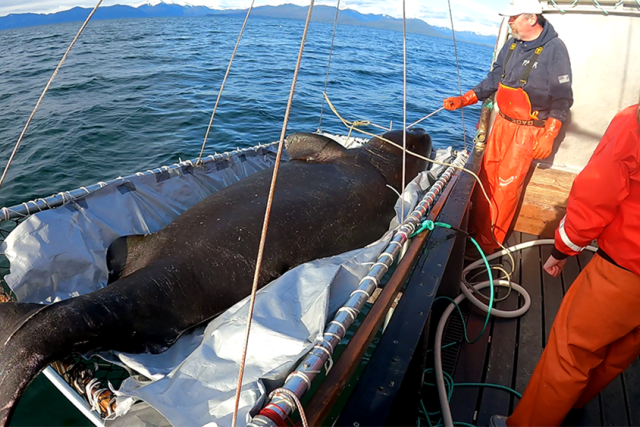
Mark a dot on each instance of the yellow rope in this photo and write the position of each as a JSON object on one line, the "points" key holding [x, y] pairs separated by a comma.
{"points": [[354, 124], [476, 177]]}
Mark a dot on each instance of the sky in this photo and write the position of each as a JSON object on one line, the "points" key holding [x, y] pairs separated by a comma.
{"points": [[480, 16]]}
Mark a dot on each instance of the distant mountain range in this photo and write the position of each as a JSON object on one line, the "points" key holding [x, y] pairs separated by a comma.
{"points": [[320, 14]]}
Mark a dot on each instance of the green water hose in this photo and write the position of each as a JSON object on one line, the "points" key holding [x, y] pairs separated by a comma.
{"points": [[467, 293], [444, 393]]}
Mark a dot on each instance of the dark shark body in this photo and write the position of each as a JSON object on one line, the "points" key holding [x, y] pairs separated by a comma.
{"points": [[328, 200]]}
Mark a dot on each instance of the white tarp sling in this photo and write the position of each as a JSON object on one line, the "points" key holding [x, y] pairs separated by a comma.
{"points": [[61, 253]]}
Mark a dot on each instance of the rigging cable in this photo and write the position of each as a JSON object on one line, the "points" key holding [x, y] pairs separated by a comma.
{"points": [[484, 192], [455, 49], [326, 80], [55, 73], [426, 117], [199, 162], [267, 215], [404, 106]]}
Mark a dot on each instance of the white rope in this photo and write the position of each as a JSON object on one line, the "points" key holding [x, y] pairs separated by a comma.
{"points": [[352, 312], [360, 291], [327, 342], [336, 336], [267, 215], [365, 278], [329, 361], [395, 191], [293, 396], [55, 73], [224, 80], [344, 330]]}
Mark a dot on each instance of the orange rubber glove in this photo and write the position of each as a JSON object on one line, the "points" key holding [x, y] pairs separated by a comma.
{"points": [[544, 145], [457, 102]]}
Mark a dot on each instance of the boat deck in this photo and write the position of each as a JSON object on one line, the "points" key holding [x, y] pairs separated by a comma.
{"points": [[508, 351]]}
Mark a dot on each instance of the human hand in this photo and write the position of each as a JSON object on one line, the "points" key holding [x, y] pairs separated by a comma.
{"points": [[456, 102], [543, 146], [554, 266]]}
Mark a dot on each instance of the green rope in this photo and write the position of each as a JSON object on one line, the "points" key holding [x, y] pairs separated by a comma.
{"points": [[430, 225], [489, 102]]}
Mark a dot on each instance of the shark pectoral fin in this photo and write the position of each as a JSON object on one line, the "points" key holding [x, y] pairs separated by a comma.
{"points": [[119, 255]]}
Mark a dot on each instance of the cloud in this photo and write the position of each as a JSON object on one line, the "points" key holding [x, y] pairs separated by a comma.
{"points": [[469, 15]]}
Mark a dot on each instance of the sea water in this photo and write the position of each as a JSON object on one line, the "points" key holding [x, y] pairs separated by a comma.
{"points": [[138, 94]]}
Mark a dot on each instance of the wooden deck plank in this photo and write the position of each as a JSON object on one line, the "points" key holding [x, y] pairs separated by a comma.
{"points": [[531, 336], [632, 388], [502, 350], [519, 346], [544, 201], [614, 411], [470, 369], [570, 272], [471, 365]]}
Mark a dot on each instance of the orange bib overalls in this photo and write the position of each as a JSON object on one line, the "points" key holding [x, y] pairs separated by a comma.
{"points": [[506, 162]]}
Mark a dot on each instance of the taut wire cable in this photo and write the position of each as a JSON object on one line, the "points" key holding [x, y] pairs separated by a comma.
{"points": [[455, 49], [425, 117], [55, 73], [265, 225], [215, 108], [326, 80], [404, 106]]}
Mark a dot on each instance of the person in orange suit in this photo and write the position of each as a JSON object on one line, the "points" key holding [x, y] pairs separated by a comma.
{"points": [[596, 333], [532, 81]]}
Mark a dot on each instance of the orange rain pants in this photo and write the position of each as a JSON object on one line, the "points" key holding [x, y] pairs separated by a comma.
{"points": [[505, 165], [595, 336]]}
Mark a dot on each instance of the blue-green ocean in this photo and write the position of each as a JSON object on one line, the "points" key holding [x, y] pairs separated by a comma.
{"points": [[138, 94]]}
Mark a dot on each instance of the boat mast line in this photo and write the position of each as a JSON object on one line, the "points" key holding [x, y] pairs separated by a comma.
{"points": [[224, 80], [267, 215], [55, 73], [426, 117], [404, 104], [326, 80], [455, 49]]}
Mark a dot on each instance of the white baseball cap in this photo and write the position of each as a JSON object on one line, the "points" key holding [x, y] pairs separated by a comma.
{"points": [[518, 7]]}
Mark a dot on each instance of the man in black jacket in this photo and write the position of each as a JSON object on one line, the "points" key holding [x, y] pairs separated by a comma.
{"points": [[532, 81]]}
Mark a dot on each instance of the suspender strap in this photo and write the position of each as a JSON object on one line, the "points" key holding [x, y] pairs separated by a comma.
{"points": [[506, 61], [532, 61]]}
